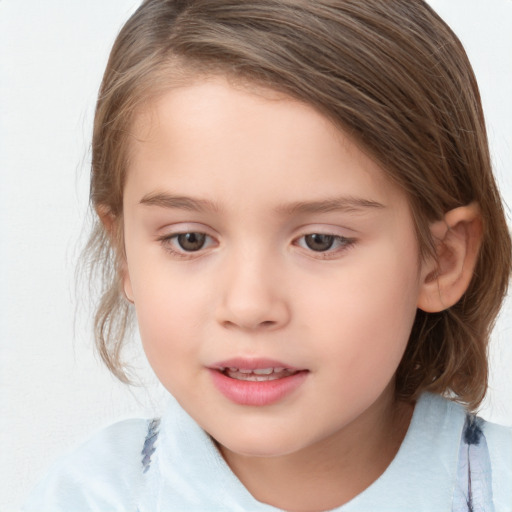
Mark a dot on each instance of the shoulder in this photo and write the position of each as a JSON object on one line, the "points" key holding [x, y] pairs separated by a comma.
{"points": [[471, 458], [500, 437], [484, 474], [102, 474]]}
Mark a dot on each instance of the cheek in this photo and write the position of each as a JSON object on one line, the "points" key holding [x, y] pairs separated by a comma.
{"points": [[169, 313], [365, 317]]}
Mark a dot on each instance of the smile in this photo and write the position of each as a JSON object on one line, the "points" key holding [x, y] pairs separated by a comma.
{"points": [[258, 375], [256, 382]]}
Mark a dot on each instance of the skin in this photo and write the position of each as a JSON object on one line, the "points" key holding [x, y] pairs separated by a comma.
{"points": [[267, 171]]}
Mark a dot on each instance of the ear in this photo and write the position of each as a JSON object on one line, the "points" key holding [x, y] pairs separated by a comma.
{"points": [[107, 218], [111, 224], [457, 240]]}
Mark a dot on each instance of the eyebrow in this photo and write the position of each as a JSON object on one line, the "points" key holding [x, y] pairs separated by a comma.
{"points": [[180, 202], [345, 204]]}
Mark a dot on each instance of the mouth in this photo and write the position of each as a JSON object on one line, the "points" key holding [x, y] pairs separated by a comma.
{"points": [[258, 374], [256, 382]]}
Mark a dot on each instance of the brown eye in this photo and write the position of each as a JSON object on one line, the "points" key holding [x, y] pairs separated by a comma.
{"points": [[191, 242], [318, 242]]}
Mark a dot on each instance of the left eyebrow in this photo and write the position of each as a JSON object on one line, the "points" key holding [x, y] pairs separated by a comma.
{"points": [[343, 204]]}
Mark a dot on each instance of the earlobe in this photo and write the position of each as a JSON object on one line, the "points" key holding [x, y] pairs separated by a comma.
{"points": [[446, 278]]}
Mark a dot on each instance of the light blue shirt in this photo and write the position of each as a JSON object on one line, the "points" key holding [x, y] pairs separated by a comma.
{"points": [[447, 460]]}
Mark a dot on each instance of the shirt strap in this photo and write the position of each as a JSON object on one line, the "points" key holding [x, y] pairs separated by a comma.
{"points": [[473, 487]]}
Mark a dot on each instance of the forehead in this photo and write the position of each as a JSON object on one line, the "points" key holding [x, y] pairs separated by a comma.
{"points": [[216, 137]]}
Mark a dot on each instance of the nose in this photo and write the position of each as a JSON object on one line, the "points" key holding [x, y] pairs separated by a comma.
{"points": [[252, 296]]}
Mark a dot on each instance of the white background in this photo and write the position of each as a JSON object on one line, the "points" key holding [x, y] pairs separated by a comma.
{"points": [[53, 390]]}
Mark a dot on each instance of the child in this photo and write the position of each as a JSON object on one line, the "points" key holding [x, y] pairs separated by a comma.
{"points": [[296, 199]]}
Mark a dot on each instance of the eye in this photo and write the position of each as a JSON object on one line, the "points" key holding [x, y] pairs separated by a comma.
{"points": [[321, 242], [190, 242], [318, 242], [181, 244]]}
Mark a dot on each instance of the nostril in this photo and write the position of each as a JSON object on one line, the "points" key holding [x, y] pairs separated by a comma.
{"points": [[252, 312], [266, 324]]}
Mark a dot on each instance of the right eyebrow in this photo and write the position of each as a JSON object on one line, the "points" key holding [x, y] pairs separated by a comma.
{"points": [[165, 200]]}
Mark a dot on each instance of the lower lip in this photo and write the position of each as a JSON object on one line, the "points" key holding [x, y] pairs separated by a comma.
{"points": [[244, 392]]}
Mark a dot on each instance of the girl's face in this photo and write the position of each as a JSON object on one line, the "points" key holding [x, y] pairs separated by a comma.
{"points": [[274, 268]]}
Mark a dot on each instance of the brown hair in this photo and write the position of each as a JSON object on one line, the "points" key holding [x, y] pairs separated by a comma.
{"points": [[389, 73]]}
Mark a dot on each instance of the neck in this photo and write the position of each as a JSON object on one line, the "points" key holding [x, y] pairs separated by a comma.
{"points": [[331, 472]]}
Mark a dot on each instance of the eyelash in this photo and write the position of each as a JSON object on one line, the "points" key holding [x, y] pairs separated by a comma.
{"points": [[341, 244], [168, 241]]}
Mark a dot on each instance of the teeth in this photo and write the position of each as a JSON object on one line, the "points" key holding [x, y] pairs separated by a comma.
{"points": [[256, 378], [263, 371], [253, 377], [258, 374], [257, 371]]}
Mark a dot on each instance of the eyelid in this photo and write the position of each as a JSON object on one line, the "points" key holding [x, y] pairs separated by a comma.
{"points": [[344, 242], [341, 239], [171, 233], [169, 245]]}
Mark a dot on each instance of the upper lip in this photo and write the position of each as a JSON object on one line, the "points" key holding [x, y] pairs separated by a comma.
{"points": [[242, 363]]}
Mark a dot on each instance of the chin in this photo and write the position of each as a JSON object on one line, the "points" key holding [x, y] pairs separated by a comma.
{"points": [[259, 444]]}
